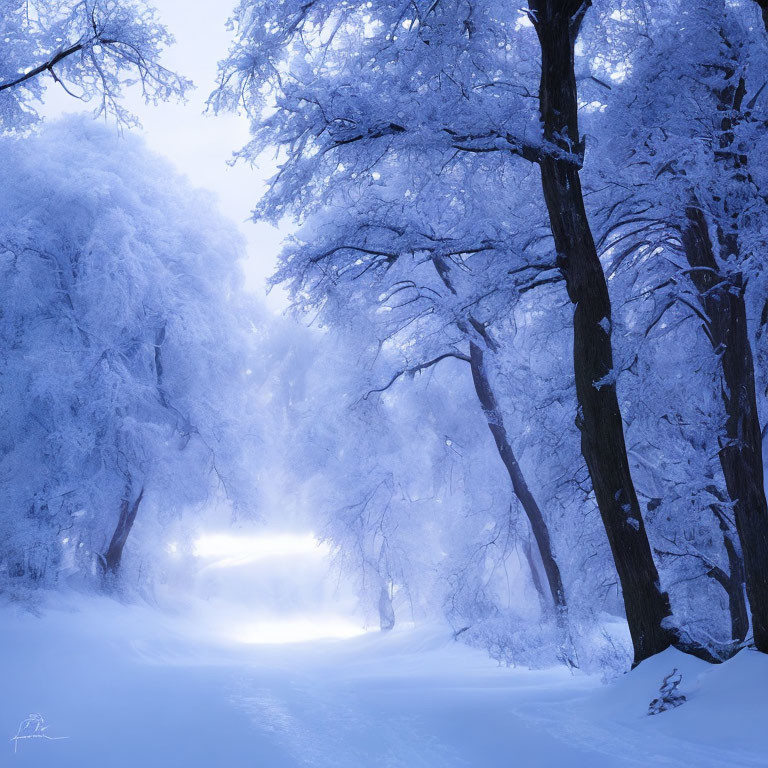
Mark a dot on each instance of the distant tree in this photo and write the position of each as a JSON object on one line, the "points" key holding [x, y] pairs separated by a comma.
{"points": [[126, 351], [437, 303]]}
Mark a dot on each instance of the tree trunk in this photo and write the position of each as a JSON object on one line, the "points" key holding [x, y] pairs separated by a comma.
{"points": [[535, 518], [599, 418], [722, 301], [114, 554], [495, 421], [733, 581], [737, 603], [386, 609], [535, 575]]}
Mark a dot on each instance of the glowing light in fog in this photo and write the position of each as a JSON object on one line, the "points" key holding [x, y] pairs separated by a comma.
{"points": [[235, 550], [274, 632], [254, 622]]}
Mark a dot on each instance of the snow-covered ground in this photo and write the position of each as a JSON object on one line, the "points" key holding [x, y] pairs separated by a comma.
{"points": [[121, 686]]}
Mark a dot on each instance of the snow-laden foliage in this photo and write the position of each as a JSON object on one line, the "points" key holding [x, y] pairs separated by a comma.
{"points": [[685, 233], [531, 241], [126, 351], [408, 136], [93, 49]]}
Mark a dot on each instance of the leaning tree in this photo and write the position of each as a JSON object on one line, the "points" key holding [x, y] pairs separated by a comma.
{"points": [[356, 88]]}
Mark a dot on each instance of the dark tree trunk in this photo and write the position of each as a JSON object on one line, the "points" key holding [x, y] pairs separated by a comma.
{"points": [[734, 586], [535, 518], [159, 339], [722, 301], [733, 581], [128, 509], [737, 602], [495, 421], [533, 567], [599, 418]]}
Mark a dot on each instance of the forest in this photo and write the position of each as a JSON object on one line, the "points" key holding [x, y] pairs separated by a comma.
{"points": [[395, 393]]}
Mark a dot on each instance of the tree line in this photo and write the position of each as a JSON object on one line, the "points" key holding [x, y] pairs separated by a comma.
{"points": [[447, 159], [552, 216]]}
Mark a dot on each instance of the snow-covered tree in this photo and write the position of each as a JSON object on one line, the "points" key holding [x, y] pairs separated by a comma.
{"points": [[92, 49], [127, 351], [687, 132], [450, 95]]}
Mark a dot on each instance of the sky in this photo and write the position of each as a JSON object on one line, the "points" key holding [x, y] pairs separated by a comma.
{"points": [[200, 144]]}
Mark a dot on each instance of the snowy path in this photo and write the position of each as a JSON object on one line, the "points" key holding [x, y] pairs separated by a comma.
{"points": [[129, 688]]}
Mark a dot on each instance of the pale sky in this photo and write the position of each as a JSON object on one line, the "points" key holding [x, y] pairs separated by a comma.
{"points": [[198, 144]]}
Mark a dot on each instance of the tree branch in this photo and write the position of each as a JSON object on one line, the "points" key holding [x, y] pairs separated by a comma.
{"points": [[413, 370]]}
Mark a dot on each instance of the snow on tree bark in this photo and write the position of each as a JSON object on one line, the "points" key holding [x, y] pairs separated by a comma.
{"points": [[599, 418]]}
